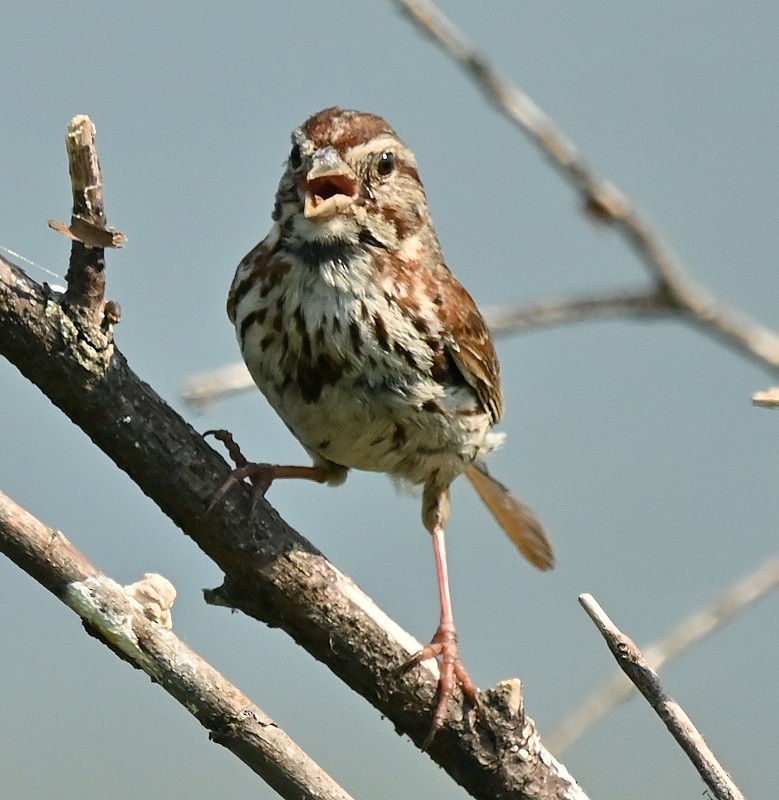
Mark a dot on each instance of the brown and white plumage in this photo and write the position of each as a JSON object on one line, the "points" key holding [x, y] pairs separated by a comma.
{"points": [[366, 345]]}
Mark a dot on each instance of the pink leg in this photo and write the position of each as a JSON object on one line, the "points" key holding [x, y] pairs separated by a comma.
{"points": [[444, 644]]}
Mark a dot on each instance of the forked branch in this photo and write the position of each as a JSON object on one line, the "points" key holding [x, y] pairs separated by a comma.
{"points": [[601, 198], [671, 293]]}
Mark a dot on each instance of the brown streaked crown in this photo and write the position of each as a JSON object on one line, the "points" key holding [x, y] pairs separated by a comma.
{"points": [[343, 128]]}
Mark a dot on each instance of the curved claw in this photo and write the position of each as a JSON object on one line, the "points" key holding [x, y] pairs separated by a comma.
{"points": [[260, 475], [443, 647]]}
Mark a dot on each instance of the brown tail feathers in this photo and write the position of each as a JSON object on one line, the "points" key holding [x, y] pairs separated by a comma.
{"points": [[519, 522]]}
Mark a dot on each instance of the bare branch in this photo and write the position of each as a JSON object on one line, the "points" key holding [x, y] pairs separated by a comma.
{"points": [[671, 293], [702, 623], [767, 399], [601, 199], [86, 273], [110, 615], [641, 304], [271, 572], [647, 681]]}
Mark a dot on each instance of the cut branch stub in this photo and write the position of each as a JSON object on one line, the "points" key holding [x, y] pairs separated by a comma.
{"points": [[85, 177], [86, 271]]}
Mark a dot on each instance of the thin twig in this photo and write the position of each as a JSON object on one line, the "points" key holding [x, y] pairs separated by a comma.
{"points": [[111, 616], [702, 623], [767, 399], [601, 198], [641, 304], [647, 681]]}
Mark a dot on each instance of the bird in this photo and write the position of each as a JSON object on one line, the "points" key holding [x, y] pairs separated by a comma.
{"points": [[370, 350]]}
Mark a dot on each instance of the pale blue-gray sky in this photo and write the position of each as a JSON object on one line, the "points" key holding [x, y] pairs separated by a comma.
{"points": [[636, 443]]}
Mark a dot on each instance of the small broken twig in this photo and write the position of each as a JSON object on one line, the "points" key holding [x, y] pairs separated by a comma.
{"points": [[86, 232], [634, 665], [85, 292], [728, 605], [767, 399]]}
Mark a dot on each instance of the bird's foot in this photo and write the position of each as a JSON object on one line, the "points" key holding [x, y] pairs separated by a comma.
{"points": [[261, 476], [443, 647]]}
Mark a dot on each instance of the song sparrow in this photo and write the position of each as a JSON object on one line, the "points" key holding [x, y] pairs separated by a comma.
{"points": [[367, 346]]}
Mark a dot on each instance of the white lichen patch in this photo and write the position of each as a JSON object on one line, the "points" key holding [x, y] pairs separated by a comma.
{"points": [[98, 601]]}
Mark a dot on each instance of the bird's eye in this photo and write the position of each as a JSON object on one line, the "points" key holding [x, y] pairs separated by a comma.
{"points": [[386, 164], [295, 157]]}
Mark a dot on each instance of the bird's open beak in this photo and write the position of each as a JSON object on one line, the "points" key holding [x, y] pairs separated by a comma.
{"points": [[330, 186]]}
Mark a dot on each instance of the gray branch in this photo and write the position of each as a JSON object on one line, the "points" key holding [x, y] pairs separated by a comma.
{"points": [[634, 665], [205, 388], [713, 616], [110, 615], [602, 199], [671, 292]]}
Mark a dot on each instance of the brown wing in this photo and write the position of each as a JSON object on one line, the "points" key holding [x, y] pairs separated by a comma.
{"points": [[470, 346]]}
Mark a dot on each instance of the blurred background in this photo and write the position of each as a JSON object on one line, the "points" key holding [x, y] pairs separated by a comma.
{"points": [[636, 442]]}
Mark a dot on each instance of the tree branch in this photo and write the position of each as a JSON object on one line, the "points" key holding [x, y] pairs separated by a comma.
{"points": [[86, 273], [604, 201], [702, 623], [671, 294], [110, 615], [647, 681], [271, 572], [641, 304]]}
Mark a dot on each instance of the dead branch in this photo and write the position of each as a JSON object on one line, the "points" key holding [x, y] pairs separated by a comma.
{"points": [[86, 272], [271, 572], [647, 681], [602, 199], [671, 293], [111, 616], [724, 608]]}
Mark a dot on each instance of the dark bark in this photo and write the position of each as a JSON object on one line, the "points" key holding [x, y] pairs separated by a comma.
{"points": [[271, 572]]}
